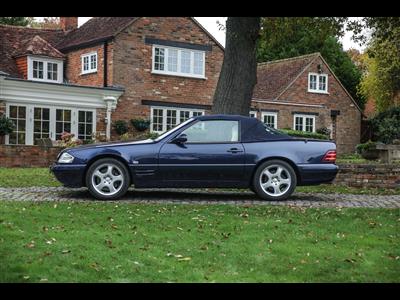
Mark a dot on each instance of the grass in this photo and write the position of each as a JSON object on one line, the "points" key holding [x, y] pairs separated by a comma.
{"points": [[110, 242], [29, 177]]}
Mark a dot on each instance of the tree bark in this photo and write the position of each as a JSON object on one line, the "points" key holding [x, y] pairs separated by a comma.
{"points": [[239, 69]]}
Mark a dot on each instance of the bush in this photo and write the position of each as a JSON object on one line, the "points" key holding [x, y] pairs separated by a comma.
{"points": [[6, 126], [324, 131], [121, 127], [68, 141], [140, 124], [303, 134], [368, 150], [386, 126]]}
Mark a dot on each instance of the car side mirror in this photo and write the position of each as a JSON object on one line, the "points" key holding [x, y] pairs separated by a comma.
{"points": [[180, 139]]}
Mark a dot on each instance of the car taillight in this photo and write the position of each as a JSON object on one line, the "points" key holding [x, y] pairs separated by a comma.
{"points": [[330, 156]]}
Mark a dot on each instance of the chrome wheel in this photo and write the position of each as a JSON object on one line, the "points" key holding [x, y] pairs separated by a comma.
{"points": [[275, 180], [107, 179]]}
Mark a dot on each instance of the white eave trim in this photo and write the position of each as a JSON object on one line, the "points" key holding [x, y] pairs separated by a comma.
{"points": [[287, 103]]}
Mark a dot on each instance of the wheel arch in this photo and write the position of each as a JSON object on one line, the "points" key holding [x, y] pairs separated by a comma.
{"points": [[285, 159], [107, 155]]}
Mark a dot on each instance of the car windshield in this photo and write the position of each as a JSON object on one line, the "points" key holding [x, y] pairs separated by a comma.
{"points": [[173, 130]]}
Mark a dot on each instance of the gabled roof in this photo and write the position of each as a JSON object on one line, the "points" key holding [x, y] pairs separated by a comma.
{"points": [[13, 39], [274, 77], [38, 46], [100, 29], [95, 30]]}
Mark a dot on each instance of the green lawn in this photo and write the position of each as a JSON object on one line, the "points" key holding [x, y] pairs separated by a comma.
{"points": [[26, 177], [109, 242]]}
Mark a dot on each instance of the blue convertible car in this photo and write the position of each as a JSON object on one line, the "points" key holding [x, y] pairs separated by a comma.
{"points": [[205, 151]]}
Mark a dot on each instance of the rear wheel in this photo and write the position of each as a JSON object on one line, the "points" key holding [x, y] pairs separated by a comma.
{"points": [[274, 180], [107, 179]]}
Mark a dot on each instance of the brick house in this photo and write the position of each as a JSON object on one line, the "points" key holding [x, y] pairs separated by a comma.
{"points": [[303, 93], [82, 79]]}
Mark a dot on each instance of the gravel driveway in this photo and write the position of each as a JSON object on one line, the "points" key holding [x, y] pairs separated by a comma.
{"points": [[204, 196]]}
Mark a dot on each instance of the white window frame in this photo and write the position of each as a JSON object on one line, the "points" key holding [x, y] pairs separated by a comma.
{"points": [[164, 116], [90, 70], [304, 117], [253, 112], [273, 114], [29, 140], [59, 63], [178, 73], [318, 79]]}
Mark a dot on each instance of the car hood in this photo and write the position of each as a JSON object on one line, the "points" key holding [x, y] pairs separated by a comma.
{"points": [[110, 144]]}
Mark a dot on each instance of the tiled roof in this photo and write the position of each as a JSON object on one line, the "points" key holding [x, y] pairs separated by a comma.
{"points": [[14, 38], [38, 46], [99, 28], [275, 76]]}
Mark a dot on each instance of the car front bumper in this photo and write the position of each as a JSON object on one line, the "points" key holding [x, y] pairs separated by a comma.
{"points": [[311, 174], [69, 175]]}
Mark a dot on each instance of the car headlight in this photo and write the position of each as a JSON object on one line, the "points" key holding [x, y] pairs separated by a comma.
{"points": [[66, 158]]}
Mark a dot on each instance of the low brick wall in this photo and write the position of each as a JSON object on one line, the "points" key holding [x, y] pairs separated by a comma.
{"points": [[27, 156], [369, 175]]}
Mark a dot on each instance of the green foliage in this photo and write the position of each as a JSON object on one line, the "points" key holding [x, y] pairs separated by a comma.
{"points": [[152, 135], [17, 21], [140, 124], [285, 37], [6, 125], [323, 130], [386, 126], [121, 127], [368, 146], [303, 134]]}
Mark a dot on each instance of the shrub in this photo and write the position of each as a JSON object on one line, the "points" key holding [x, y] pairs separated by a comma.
{"points": [[324, 131], [140, 124], [152, 135], [386, 126], [310, 135], [366, 147], [121, 127], [6, 126], [68, 141]]}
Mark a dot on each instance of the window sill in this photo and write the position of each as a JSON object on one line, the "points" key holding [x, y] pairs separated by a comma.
{"points": [[88, 73], [179, 75], [318, 92]]}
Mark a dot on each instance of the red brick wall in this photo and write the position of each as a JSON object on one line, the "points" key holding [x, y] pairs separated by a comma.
{"points": [[133, 63], [74, 66], [347, 123], [22, 65], [27, 156]]}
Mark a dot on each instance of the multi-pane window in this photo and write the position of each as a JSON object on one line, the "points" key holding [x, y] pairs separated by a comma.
{"points": [[17, 115], [177, 61], [85, 125], [163, 119], [304, 123], [270, 119], [37, 69], [52, 71], [41, 123], [89, 63], [63, 122], [317, 83]]}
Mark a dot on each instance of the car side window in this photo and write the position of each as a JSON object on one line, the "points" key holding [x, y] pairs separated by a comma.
{"points": [[213, 131]]}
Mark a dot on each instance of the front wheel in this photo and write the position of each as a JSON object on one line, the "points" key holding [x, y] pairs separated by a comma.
{"points": [[274, 180], [107, 179]]}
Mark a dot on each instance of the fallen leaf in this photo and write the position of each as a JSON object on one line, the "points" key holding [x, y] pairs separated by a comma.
{"points": [[26, 277], [184, 259], [44, 280], [65, 251]]}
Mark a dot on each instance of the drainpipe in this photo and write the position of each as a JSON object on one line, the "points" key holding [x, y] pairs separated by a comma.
{"points": [[111, 102]]}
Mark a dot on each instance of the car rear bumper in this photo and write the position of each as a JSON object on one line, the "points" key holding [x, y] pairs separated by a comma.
{"points": [[69, 175], [317, 173]]}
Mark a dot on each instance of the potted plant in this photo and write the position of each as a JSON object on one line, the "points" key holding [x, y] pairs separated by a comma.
{"points": [[140, 124], [368, 150], [6, 127]]}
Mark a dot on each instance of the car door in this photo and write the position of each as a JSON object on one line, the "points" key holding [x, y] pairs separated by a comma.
{"points": [[212, 155]]}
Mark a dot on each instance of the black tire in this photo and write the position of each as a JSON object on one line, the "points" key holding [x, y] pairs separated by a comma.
{"points": [[120, 169], [288, 172]]}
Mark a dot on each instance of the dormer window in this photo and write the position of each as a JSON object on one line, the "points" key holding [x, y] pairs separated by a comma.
{"points": [[318, 83], [44, 69], [89, 63]]}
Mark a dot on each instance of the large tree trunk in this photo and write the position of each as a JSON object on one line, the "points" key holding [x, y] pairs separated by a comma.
{"points": [[239, 69]]}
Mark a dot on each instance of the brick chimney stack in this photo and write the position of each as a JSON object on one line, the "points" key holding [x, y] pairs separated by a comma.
{"points": [[68, 23]]}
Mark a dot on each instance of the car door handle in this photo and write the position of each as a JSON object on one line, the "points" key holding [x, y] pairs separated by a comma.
{"points": [[234, 150]]}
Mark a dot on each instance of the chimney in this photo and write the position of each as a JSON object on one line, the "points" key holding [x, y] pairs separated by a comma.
{"points": [[68, 23]]}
